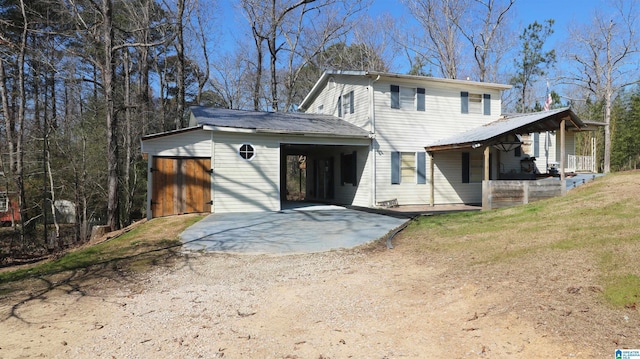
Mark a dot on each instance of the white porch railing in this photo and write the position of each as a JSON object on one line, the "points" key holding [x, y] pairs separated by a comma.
{"points": [[581, 163]]}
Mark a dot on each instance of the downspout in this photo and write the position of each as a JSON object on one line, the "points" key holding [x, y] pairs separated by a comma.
{"points": [[211, 178], [374, 143]]}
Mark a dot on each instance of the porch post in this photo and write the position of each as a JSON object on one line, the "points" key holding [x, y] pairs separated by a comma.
{"points": [[432, 197], [487, 170], [562, 149], [486, 188]]}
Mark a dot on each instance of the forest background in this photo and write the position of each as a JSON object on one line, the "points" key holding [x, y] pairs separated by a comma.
{"points": [[81, 81]]}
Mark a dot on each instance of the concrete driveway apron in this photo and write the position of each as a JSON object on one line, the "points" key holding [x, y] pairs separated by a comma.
{"points": [[301, 230]]}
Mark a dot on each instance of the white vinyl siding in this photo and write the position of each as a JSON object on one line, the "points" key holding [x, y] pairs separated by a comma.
{"points": [[449, 188], [348, 193], [435, 114], [330, 98], [252, 186], [412, 130], [195, 143], [245, 186]]}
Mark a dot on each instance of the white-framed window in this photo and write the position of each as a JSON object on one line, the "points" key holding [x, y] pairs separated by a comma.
{"points": [[345, 104], [246, 151], [320, 109], [4, 202]]}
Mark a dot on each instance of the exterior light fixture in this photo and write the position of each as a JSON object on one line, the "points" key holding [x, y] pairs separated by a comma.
{"points": [[508, 143]]}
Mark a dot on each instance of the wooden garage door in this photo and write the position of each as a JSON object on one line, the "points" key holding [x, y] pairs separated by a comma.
{"points": [[180, 185]]}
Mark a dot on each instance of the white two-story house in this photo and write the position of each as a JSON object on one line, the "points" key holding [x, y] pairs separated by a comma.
{"points": [[368, 138]]}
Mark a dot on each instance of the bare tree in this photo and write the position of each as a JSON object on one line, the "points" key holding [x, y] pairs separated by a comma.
{"points": [[22, 103], [485, 33], [257, 18], [605, 57], [101, 35], [304, 40], [199, 29], [440, 45], [180, 65], [232, 79]]}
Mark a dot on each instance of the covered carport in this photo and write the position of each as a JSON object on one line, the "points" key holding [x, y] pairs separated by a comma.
{"points": [[504, 135]]}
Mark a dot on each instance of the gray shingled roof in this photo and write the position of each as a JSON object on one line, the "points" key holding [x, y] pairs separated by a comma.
{"points": [[276, 122], [512, 124]]}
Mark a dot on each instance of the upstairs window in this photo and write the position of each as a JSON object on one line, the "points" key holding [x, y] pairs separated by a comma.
{"points": [[345, 104], [320, 109], [407, 98], [475, 103]]}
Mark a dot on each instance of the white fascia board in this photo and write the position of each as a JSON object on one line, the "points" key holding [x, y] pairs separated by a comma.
{"points": [[228, 129], [311, 134], [490, 85]]}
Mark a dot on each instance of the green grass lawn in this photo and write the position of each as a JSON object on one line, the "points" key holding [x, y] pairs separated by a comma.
{"points": [[138, 248], [600, 220]]}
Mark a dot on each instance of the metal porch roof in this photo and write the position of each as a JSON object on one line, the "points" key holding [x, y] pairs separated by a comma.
{"points": [[275, 122], [519, 124]]}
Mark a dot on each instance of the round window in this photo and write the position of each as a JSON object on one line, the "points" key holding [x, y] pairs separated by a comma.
{"points": [[247, 151]]}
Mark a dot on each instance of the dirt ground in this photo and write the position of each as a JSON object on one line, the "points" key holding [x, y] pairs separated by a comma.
{"points": [[363, 303]]}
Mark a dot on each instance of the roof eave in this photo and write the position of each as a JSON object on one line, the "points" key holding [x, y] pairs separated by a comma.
{"points": [[170, 133], [312, 134], [451, 147], [321, 81], [492, 85]]}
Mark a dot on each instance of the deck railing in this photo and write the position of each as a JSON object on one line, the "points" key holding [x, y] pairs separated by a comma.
{"points": [[581, 163]]}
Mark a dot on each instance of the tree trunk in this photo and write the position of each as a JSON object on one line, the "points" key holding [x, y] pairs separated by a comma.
{"points": [[8, 118], [21, 114], [111, 119], [258, 81], [127, 136], [180, 81], [607, 132], [271, 43]]}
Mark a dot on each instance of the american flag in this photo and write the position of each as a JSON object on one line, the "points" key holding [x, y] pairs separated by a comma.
{"points": [[548, 101]]}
